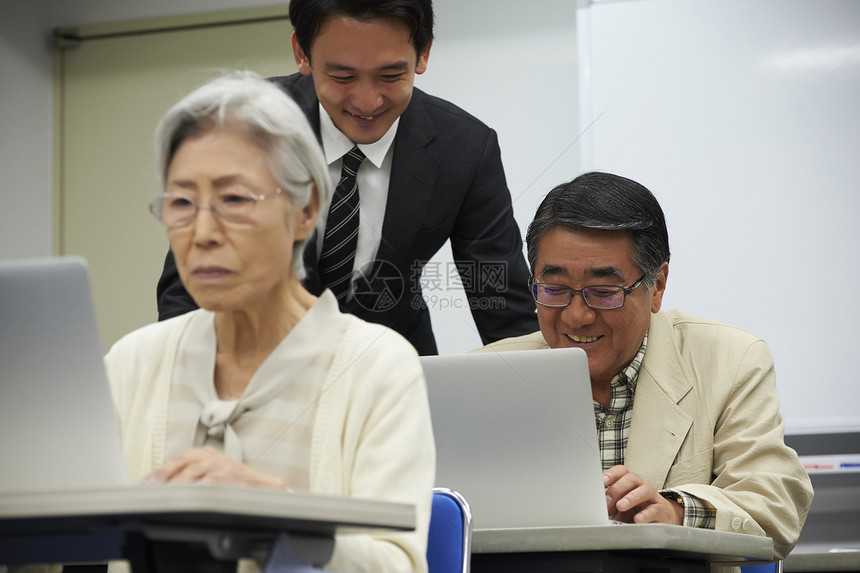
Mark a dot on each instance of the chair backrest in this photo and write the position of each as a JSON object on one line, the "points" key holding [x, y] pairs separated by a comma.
{"points": [[449, 543], [775, 567]]}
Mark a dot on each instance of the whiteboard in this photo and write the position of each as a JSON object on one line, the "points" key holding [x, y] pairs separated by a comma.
{"points": [[743, 118]]}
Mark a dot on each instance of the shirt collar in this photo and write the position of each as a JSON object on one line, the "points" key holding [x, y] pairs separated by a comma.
{"points": [[336, 144], [630, 374]]}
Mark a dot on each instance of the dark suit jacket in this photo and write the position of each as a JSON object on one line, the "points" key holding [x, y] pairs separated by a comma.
{"points": [[447, 181]]}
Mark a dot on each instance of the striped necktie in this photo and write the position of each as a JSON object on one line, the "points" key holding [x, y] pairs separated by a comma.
{"points": [[341, 229]]}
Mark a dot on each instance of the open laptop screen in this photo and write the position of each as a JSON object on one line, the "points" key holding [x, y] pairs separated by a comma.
{"points": [[515, 434], [57, 421]]}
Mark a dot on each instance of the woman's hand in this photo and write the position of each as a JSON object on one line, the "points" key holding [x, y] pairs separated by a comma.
{"points": [[631, 499], [208, 465]]}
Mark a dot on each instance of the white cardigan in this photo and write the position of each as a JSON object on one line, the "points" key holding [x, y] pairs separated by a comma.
{"points": [[372, 436]]}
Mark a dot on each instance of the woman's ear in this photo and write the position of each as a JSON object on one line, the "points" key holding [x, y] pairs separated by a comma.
{"points": [[307, 217]]}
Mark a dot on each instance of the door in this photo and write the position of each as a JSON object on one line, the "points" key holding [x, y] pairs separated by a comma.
{"points": [[115, 83]]}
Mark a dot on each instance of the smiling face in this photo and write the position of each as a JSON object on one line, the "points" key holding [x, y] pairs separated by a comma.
{"points": [[581, 258], [233, 266], [363, 73]]}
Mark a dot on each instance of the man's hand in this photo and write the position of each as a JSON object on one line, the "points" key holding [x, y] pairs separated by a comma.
{"points": [[631, 499], [210, 466]]}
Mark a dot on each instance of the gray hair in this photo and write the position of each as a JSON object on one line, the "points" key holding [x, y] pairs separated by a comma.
{"points": [[246, 102], [607, 202]]}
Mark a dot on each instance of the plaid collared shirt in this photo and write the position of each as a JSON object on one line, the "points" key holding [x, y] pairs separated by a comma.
{"points": [[613, 430]]}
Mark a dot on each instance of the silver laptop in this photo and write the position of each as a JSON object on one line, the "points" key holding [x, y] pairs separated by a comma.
{"points": [[61, 461], [515, 434], [53, 385]]}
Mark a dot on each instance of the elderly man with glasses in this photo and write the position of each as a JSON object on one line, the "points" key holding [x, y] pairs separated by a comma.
{"points": [[686, 409]]}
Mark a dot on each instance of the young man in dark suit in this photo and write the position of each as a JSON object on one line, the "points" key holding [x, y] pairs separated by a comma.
{"points": [[428, 172]]}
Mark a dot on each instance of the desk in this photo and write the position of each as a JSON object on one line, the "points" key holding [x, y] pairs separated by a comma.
{"points": [[627, 548], [808, 560], [151, 525]]}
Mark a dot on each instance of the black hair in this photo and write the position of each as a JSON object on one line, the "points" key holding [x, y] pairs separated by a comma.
{"points": [[606, 202], [307, 17]]}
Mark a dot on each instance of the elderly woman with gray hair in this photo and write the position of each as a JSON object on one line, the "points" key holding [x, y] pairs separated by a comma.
{"points": [[267, 385]]}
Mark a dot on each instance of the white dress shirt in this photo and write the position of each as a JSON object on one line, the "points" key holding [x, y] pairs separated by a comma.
{"points": [[373, 178]]}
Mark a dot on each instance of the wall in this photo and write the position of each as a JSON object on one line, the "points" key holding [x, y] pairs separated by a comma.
{"points": [[25, 130], [26, 104], [515, 68]]}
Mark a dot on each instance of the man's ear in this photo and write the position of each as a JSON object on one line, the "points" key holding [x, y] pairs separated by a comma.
{"points": [[659, 287], [303, 62], [423, 58], [307, 219]]}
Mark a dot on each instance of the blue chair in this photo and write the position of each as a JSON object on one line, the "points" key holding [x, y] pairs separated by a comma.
{"points": [[775, 567], [449, 543]]}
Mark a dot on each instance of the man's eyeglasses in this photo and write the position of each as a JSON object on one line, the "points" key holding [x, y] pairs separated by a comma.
{"points": [[176, 210], [600, 297]]}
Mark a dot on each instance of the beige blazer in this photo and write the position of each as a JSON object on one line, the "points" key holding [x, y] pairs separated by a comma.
{"points": [[706, 421]]}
